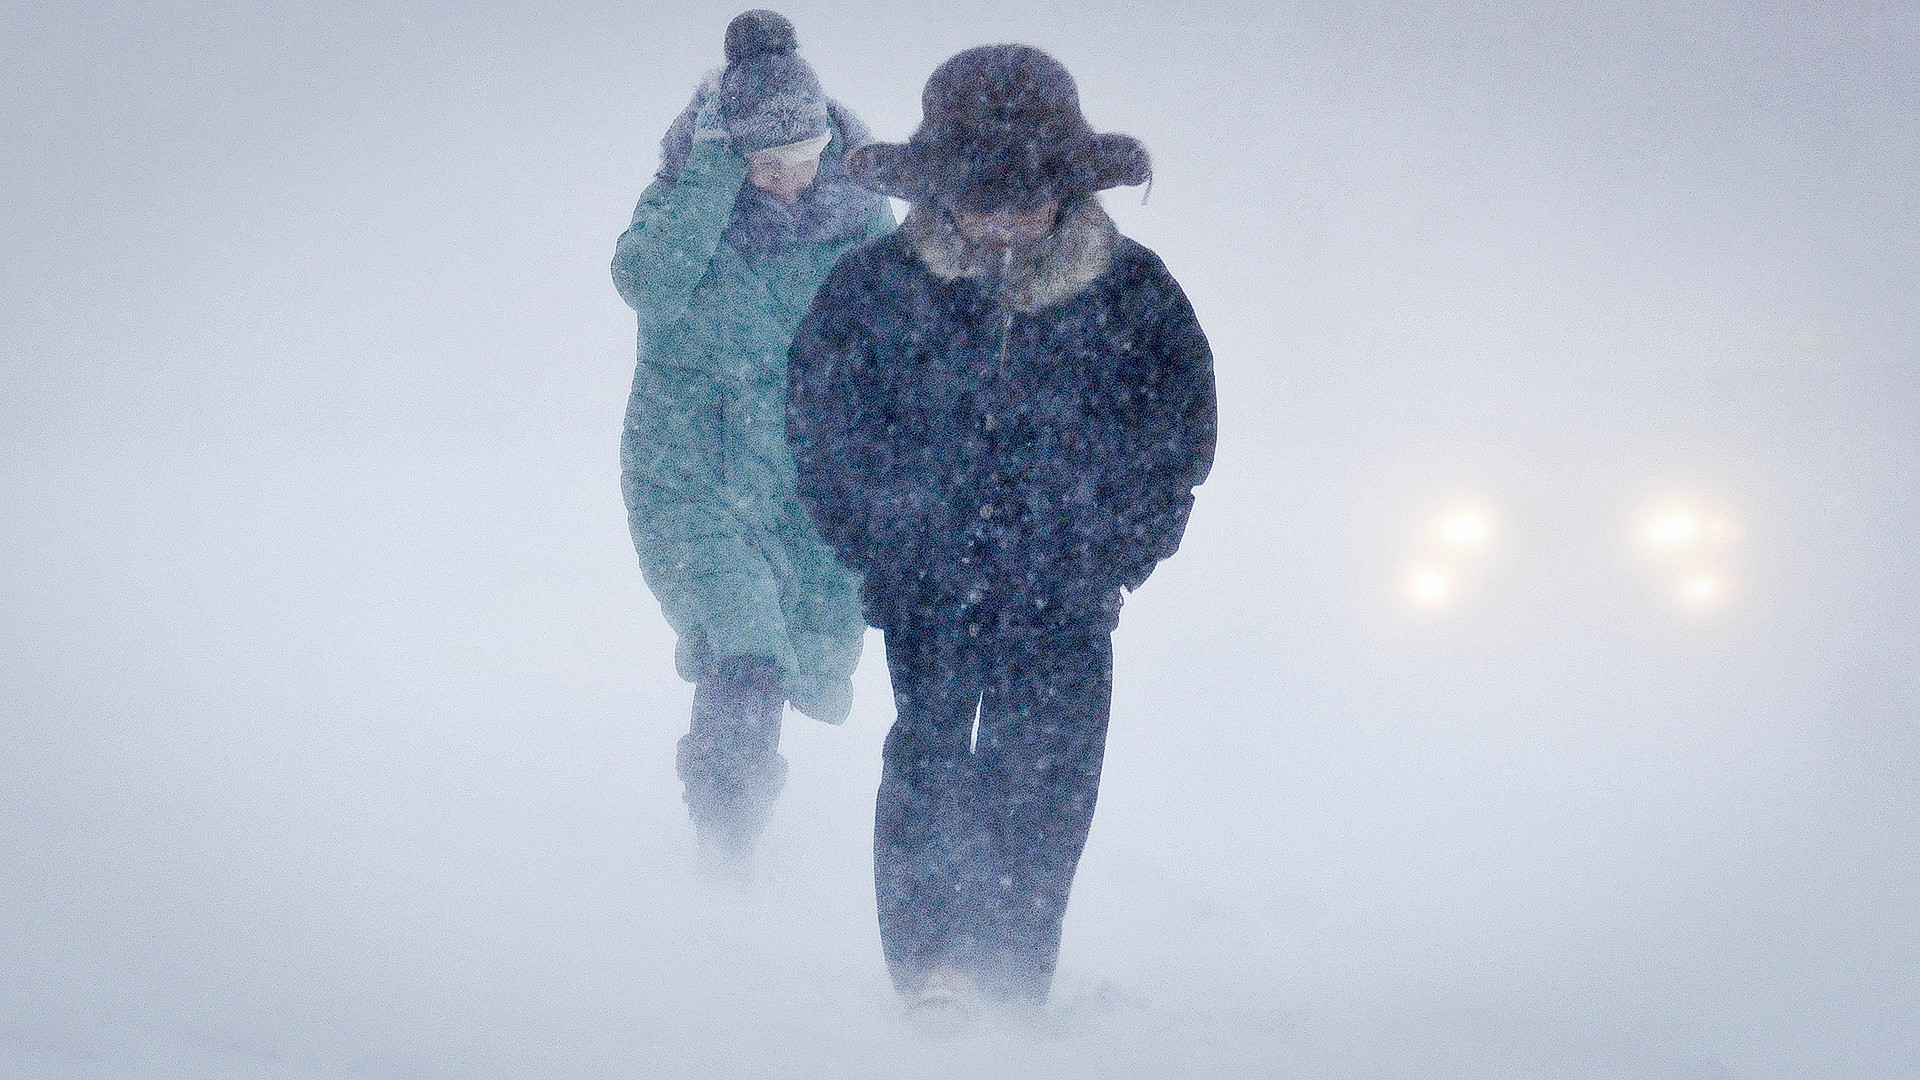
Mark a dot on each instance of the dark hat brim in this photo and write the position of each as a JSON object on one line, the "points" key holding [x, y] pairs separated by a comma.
{"points": [[1117, 160], [887, 169], [916, 171]]}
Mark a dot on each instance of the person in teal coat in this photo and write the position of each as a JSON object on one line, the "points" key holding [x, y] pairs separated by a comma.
{"points": [[750, 209]]}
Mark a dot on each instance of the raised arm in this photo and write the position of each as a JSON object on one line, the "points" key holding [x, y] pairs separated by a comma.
{"points": [[678, 224]]}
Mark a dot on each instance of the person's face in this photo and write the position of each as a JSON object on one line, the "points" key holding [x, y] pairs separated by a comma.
{"points": [[1008, 227], [785, 172]]}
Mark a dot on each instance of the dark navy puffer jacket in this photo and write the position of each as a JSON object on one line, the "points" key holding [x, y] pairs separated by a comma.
{"points": [[1008, 443]]}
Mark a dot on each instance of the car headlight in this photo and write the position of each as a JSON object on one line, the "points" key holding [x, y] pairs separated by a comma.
{"points": [[1697, 544]]}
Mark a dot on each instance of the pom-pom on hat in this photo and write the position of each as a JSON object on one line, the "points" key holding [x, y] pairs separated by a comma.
{"points": [[759, 31], [768, 95], [1000, 126]]}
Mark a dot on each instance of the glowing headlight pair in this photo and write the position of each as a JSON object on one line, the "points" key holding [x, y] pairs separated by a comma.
{"points": [[1698, 545], [1455, 538], [1695, 543]]}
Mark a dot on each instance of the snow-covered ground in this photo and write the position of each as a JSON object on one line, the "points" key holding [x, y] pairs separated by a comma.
{"points": [[336, 724]]}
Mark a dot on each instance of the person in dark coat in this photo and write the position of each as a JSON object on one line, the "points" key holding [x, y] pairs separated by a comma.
{"points": [[999, 413], [750, 209]]}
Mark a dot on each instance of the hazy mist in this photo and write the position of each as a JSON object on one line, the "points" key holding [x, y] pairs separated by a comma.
{"points": [[336, 724]]}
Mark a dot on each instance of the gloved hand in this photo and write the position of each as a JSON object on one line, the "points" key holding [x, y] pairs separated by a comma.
{"points": [[707, 126]]}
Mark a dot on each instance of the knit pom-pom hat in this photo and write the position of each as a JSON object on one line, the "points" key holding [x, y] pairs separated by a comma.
{"points": [[768, 95]]}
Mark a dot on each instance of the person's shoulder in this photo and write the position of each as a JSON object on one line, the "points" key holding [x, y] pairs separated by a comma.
{"points": [[1138, 270], [865, 286], [1135, 260], [891, 248], [879, 260]]}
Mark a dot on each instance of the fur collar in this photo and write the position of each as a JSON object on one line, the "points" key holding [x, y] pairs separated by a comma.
{"points": [[1056, 269]]}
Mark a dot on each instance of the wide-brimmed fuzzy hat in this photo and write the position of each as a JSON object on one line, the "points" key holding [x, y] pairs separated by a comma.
{"points": [[1000, 126]]}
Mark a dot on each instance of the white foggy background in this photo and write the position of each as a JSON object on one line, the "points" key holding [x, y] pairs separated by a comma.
{"points": [[336, 724]]}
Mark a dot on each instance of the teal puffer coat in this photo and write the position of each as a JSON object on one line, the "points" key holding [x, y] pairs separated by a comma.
{"points": [[709, 480]]}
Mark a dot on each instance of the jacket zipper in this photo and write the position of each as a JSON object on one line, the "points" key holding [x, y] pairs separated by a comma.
{"points": [[1006, 324]]}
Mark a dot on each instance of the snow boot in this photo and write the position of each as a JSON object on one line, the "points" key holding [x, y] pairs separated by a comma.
{"points": [[730, 760]]}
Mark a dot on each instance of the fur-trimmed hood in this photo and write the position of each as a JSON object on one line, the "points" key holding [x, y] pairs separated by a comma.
{"points": [[1071, 258]]}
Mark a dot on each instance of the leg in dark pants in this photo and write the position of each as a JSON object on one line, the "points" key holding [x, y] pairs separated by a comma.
{"points": [[976, 840], [730, 759]]}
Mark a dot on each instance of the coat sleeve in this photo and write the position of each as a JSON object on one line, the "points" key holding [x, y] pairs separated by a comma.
{"points": [[676, 229], [1177, 427], [828, 371]]}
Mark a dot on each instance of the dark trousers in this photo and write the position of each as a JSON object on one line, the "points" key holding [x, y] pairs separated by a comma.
{"points": [[976, 839]]}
